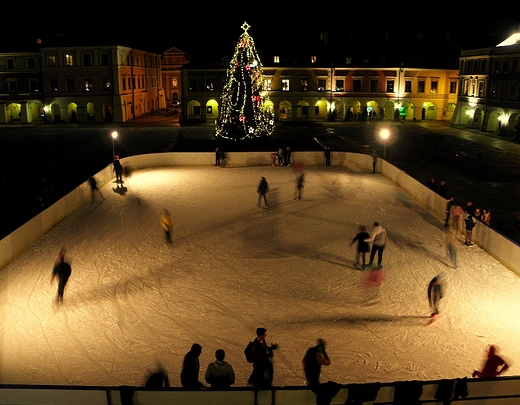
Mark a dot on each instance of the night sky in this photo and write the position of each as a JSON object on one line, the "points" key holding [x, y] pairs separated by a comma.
{"points": [[218, 29]]}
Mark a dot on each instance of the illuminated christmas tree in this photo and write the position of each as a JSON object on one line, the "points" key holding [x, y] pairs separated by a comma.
{"points": [[245, 108]]}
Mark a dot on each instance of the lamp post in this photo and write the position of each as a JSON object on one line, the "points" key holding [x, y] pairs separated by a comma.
{"points": [[384, 134], [114, 136]]}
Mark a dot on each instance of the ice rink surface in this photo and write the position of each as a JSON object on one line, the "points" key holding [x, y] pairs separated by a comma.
{"points": [[134, 300]]}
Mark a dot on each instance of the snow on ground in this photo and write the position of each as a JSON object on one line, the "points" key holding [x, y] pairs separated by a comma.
{"points": [[133, 300]]}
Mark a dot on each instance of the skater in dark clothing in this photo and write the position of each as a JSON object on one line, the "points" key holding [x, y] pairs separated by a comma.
{"points": [[362, 247], [263, 371], [470, 224], [62, 270], [118, 168], [263, 188], [158, 379], [218, 156], [314, 358], [494, 365], [435, 293], [374, 156], [299, 186], [327, 156], [191, 368], [94, 188]]}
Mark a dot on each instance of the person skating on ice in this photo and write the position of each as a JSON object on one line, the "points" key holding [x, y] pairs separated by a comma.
{"points": [[362, 247], [62, 270], [378, 240], [435, 293]]}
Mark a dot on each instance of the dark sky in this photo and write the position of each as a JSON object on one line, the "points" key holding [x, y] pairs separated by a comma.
{"points": [[199, 30]]}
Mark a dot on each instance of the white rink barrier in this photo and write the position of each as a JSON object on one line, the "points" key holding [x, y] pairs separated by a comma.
{"points": [[503, 249]]}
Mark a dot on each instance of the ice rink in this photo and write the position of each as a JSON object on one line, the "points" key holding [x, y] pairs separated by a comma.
{"points": [[133, 299]]}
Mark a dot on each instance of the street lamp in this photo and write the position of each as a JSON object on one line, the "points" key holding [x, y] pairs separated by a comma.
{"points": [[114, 136], [384, 134]]}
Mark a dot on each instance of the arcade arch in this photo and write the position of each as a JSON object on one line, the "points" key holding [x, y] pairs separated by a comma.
{"points": [[212, 111]]}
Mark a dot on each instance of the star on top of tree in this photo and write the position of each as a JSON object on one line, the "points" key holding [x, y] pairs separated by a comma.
{"points": [[245, 26]]}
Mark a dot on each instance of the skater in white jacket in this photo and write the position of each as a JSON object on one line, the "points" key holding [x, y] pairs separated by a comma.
{"points": [[378, 240]]}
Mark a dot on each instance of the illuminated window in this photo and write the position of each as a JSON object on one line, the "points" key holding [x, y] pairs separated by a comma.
{"points": [[69, 60], [88, 85], [267, 83], [321, 84], [107, 84], [421, 86], [434, 86], [304, 84], [313, 59], [390, 86], [285, 84], [51, 60], [276, 59], [340, 85], [210, 85], [481, 88], [174, 82]]}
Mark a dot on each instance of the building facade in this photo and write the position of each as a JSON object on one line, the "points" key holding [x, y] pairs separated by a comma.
{"points": [[327, 93], [489, 81], [79, 84]]}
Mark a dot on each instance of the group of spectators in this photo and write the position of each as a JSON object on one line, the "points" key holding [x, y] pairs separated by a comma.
{"points": [[454, 210]]}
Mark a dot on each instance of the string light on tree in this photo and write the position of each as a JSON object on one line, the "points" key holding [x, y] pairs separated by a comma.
{"points": [[245, 108]]}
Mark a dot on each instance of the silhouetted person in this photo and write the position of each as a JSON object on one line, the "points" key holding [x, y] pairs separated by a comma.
{"points": [[191, 368], [118, 168], [263, 188], [494, 365], [327, 156], [94, 188], [263, 370], [158, 379], [62, 270]]}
